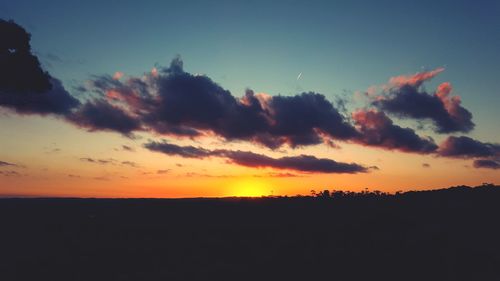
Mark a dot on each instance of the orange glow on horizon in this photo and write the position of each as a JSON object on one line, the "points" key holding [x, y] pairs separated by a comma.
{"points": [[249, 187]]}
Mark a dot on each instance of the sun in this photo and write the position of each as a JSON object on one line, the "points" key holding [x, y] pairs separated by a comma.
{"points": [[250, 187]]}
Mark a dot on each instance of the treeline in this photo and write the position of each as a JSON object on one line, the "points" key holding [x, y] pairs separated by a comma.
{"points": [[366, 193]]}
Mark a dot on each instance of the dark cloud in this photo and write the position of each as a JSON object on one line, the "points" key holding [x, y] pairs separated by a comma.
{"points": [[198, 103], [127, 148], [101, 115], [172, 149], [54, 101], [376, 129], [487, 164], [278, 175], [303, 120], [10, 173], [465, 147], [124, 148], [98, 161], [109, 161], [174, 102], [24, 86], [265, 175], [161, 172], [171, 101], [20, 70], [3, 163], [204, 175], [130, 163], [426, 165], [303, 163], [405, 98]]}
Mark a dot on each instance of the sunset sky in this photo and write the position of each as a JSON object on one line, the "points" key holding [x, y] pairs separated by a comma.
{"points": [[233, 98]]}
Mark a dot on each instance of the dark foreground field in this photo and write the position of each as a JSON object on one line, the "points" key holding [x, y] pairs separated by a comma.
{"points": [[451, 234]]}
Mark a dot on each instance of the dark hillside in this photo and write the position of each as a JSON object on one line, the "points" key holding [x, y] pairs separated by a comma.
{"points": [[449, 234]]}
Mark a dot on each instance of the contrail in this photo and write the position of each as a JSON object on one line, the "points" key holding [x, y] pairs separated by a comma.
{"points": [[298, 76]]}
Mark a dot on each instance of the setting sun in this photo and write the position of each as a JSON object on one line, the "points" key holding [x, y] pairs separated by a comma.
{"points": [[250, 187]]}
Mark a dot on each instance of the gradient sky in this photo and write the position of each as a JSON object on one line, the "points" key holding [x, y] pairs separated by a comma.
{"points": [[341, 49]]}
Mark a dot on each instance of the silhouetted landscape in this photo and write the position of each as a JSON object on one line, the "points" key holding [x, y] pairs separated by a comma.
{"points": [[249, 140], [445, 234]]}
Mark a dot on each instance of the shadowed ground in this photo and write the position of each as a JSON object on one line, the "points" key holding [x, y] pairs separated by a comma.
{"points": [[450, 234]]}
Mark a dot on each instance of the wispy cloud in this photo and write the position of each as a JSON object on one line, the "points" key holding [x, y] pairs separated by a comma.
{"points": [[3, 164]]}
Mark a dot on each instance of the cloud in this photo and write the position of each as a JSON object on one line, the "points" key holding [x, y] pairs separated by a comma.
{"points": [[10, 173], [174, 102], [265, 175], [125, 148], [171, 101], [24, 86], [98, 161], [378, 130], [130, 163], [100, 115], [161, 172], [204, 175], [303, 163], [303, 120], [3, 163], [20, 69], [406, 99], [128, 148], [487, 164], [278, 175], [465, 147], [426, 165], [118, 75], [109, 161], [172, 149], [414, 80], [166, 101]]}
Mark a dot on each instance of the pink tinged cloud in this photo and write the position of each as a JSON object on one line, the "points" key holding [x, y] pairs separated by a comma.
{"points": [[125, 95], [154, 72], [451, 103], [118, 75], [414, 80], [376, 129], [369, 119]]}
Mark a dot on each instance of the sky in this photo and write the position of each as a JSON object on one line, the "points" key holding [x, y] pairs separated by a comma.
{"points": [[247, 98]]}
